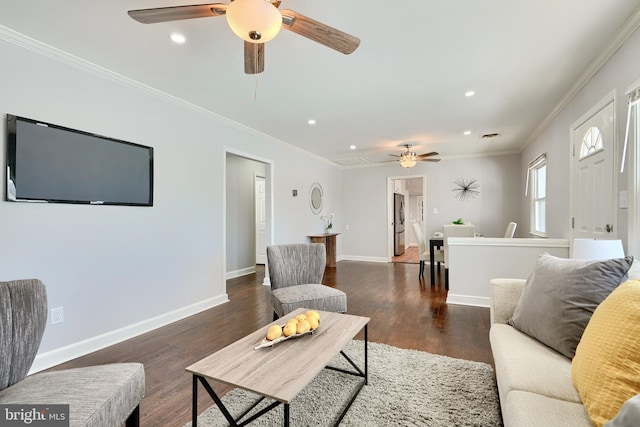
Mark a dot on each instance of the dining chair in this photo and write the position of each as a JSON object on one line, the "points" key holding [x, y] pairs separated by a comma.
{"points": [[423, 250], [511, 230], [454, 230]]}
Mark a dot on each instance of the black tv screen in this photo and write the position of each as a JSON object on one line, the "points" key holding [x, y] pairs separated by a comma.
{"points": [[50, 163]]}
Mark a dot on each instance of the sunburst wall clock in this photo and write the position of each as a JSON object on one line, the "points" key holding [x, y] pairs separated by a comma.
{"points": [[466, 189]]}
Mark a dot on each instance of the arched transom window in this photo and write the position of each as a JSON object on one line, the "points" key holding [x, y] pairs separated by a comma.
{"points": [[591, 143]]}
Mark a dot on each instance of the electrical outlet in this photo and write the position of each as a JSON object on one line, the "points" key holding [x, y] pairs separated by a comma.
{"points": [[57, 315]]}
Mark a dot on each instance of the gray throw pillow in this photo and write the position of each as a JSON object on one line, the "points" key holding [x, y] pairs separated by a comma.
{"points": [[629, 415], [561, 295]]}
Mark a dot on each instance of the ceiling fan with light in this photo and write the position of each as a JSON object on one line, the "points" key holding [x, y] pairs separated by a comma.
{"points": [[256, 22], [408, 159]]}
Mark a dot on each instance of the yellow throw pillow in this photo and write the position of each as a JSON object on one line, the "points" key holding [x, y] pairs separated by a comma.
{"points": [[606, 367]]}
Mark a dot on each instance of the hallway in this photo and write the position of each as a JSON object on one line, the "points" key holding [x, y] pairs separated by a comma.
{"points": [[410, 256]]}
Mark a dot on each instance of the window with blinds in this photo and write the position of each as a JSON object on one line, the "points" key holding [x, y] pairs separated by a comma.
{"points": [[537, 177]]}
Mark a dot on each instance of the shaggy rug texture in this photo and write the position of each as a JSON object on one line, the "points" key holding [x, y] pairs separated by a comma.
{"points": [[406, 388]]}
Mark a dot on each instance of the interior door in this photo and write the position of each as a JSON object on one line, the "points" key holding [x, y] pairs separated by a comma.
{"points": [[593, 183], [261, 222]]}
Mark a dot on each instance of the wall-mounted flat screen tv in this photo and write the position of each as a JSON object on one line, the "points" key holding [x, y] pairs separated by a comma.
{"points": [[50, 163]]}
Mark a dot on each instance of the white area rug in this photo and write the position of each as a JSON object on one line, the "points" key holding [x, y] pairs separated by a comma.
{"points": [[406, 388]]}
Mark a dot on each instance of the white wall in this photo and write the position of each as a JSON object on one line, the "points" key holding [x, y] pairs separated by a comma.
{"points": [[491, 210], [473, 262], [617, 74], [119, 271], [365, 200]]}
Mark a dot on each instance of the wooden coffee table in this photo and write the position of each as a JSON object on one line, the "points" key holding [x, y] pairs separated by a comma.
{"points": [[269, 372]]}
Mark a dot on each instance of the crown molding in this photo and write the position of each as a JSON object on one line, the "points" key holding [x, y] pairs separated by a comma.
{"points": [[18, 39]]}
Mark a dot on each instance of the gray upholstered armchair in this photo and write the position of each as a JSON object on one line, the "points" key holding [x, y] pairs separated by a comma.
{"points": [[100, 396], [296, 272]]}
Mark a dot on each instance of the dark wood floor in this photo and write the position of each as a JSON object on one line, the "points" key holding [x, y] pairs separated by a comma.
{"points": [[404, 312]]}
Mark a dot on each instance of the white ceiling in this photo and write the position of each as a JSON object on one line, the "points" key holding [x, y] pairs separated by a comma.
{"points": [[405, 83]]}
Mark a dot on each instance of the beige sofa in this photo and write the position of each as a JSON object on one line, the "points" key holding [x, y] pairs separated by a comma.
{"points": [[534, 381]]}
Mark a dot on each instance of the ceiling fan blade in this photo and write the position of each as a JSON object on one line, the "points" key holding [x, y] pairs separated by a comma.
{"points": [[433, 153], [319, 32], [176, 13], [253, 58], [428, 160], [395, 155]]}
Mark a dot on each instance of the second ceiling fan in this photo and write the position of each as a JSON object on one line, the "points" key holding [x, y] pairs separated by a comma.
{"points": [[408, 158], [256, 22]]}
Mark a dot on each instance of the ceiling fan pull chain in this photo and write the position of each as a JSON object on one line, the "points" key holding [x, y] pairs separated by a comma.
{"points": [[255, 90]]}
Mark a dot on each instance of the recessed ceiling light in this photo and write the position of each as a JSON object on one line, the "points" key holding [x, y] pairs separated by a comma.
{"points": [[470, 93], [178, 38], [467, 132], [352, 147], [311, 122]]}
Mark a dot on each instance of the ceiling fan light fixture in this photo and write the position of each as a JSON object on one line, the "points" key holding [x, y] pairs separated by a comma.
{"points": [[255, 21], [408, 161]]}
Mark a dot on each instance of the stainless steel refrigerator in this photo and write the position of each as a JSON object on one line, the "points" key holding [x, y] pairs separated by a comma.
{"points": [[398, 224]]}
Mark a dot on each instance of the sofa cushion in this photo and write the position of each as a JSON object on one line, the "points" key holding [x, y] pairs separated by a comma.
{"points": [[505, 294], [523, 363], [530, 409], [312, 296], [606, 368], [561, 295]]}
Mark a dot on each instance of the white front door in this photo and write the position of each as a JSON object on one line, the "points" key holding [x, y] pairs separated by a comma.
{"points": [[261, 222], [593, 182]]}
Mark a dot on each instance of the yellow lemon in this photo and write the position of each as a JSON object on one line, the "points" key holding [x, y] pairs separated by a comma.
{"points": [[314, 314], [275, 331], [301, 317], [289, 329], [303, 326], [314, 323], [293, 321]]}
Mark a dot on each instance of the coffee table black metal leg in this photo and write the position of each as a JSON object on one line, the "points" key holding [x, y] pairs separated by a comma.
{"points": [[366, 355], [215, 398], [286, 415], [194, 403]]}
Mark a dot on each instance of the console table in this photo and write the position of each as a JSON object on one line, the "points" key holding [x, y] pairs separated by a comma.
{"points": [[329, 240]]}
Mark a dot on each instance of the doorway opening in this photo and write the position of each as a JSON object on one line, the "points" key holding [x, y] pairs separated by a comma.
{"points": [[406, 207], [248, 215]]}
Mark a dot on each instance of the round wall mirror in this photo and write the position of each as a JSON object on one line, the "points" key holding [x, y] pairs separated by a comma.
{"points": [[315, 198]]}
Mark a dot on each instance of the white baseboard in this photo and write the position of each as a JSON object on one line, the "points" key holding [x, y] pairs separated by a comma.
{"points": [[72, 351], [241, 272], [363, 258], [468, 300]]}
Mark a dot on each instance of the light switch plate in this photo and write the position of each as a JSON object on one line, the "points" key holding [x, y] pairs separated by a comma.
{"points": [[623, 200]]}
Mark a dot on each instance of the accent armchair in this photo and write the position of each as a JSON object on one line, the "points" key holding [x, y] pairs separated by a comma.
{"points": [[296, 271], [98, 396]]}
